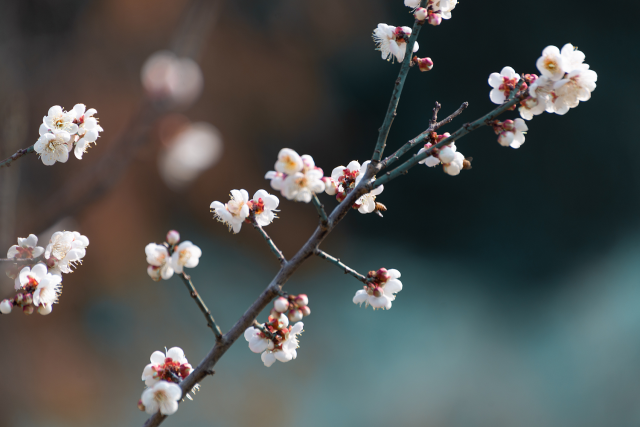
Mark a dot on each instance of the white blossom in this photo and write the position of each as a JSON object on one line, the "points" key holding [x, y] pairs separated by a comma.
{"points": [[279, 343], [277, 179], [455, 166], [26, 248], [444, 6], [163, 397], [300, 186], [392, 41], [60, 120], [412, 3], [500, 84], [65, 249], [289, 162], [513, 136], [575, 87], [171, 366], [381, 291], [264, 207], [44, 286], [53, 146], [233, 213], [159, 262], [367, 202], [186, 254], [551, 63], [432, 161], [257, 340], [88, 128], [572, 58]]}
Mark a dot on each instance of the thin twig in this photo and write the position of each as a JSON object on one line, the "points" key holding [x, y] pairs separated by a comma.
{"points": [[347, 270], [424, 135], [434, 117], [266, 237], [465, 129], [201, 305], [397, 90], [320, 208], [20, 153]]}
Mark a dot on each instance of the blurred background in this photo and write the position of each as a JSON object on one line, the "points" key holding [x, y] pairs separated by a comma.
{"points": [[521, 277]]}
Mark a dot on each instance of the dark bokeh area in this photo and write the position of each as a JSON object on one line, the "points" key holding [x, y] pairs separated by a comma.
{"points": [[521, 276]]}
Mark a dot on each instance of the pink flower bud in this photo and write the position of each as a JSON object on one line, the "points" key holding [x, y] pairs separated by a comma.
{"points": [[378, 291], [434, 18], [508, 125], [27, 299], [305, 310], [382, 275], [302, 300], [173, 237], [281, 305], [17, 300], [6, 306], [28, 309], [295, 315], [420, 14], [424, 64]]}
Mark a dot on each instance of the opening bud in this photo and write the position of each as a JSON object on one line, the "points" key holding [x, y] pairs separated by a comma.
{"points": [[378, 291], [302, 300], [424, 64], [27, 299], [383, 275], [173, 237], [281, 304], [434, 18], [305, 310], [6, 306], [295, 315], [421, 14], [154, 273], [45, 309]]}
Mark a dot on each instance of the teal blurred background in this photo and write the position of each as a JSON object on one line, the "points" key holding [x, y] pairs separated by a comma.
{"points": [[521, 277]]}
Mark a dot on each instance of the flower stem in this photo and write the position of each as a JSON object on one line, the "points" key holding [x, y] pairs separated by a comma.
{"points": [[397, 90], [266, 237], [22, 152], [336, 261], [320, 208], [201, 305]]}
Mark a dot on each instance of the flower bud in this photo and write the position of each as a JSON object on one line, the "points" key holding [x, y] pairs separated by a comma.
{"points": [[28, 309], [173, 237], [305, 310], [141, 406], [378, 291], [420, 14], [508, 125], [424, 64], [382, 275], [45, 309], [295, 315], [281, 304], [27, 299], [302, 300], [6, 306], [434, 18], [17, 300], [447, 155]]}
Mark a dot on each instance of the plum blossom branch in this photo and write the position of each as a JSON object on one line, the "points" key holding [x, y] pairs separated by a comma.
{"points": [[20, 153], [347, 270], [201, 305], [397, 90], [320, 208], [464, 130], [433, 126], [268, 239]]}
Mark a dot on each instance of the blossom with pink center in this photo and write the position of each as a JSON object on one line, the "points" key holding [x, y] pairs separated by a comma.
{"points": [[88, 128], [234, 212], [26, 248], [171, 366], [381, 289], [502, 84], [276, 340], [159, 262], [163, 397], [512, 134], [44, 287], [392, 41], [264, 207], [65, 250]]}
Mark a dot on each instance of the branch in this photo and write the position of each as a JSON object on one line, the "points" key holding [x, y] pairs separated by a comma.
{"points": [[201, 305], [320, 208], [465, 129], [337, 262], [22, 152], [266, 237], [433, 126], [397, 90]]}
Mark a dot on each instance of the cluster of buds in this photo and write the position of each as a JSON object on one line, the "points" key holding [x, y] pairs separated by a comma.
{"points": [[61, 130], [38, 275], [171, 256], [424, 64], [452, 160], [275, 339], [294, 306], [241, 209], [380, 290], [161, 377], [510, 132], [434, 13]]}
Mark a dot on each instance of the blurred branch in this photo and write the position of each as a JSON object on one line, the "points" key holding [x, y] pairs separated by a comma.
{"points": [[201, 305], [336, 261], [321, 212], [397, 90], [20, 153]]}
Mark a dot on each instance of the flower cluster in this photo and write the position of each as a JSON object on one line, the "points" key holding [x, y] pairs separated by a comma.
{"points": [[171, 257], [345, 178], [452, 160], [510, 132], [62, 130], [435, 12], [380, 290], [276, 340], [240, 208], [39, 285], [392, 41], [296, 177], [565, 80], [161, 377]]}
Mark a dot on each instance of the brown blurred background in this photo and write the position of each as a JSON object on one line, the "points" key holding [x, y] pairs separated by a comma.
{"points": [[521, 296]]}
